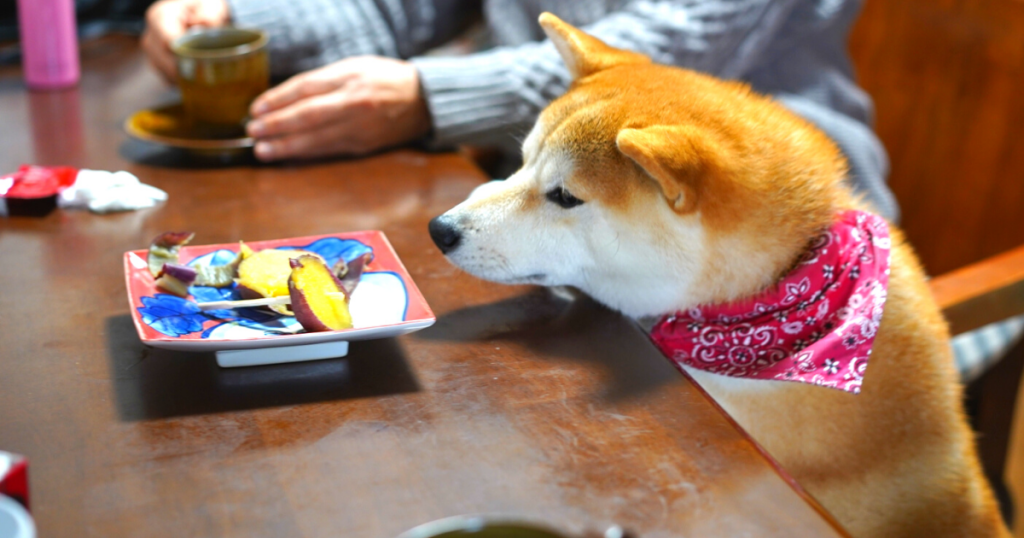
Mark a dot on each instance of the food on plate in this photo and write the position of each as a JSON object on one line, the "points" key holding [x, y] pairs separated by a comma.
{"points": [[319, 300], [350, 272], [265, 274], [164, 249], [176, 278], [275, 276], [163, 252], [221, 276]]}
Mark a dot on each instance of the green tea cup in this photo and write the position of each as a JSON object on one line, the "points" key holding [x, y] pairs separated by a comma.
{"points": [[220, 72]]}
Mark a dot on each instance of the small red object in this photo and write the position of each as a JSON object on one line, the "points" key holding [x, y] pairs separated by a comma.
{"points": [[14, 477], [33, 190]]}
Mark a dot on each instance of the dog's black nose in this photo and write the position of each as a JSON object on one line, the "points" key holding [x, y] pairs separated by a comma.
{"points": [[444, 234]]}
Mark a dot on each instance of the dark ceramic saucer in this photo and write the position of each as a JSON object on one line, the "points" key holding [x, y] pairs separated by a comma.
{"points": [[168, 126]]}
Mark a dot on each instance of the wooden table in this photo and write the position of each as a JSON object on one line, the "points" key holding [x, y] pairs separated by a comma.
{"points": [[516, 402]]}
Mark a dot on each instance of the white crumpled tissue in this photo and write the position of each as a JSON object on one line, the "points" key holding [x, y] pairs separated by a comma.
{"points": [[100, 191]]}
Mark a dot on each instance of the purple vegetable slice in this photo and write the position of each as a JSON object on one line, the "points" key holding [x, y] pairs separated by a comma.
{"points": [[164, 249], [176, 279], [350, 273]]}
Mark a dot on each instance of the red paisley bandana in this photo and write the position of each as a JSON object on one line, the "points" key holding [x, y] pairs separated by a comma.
{"points": [[816, 326]]}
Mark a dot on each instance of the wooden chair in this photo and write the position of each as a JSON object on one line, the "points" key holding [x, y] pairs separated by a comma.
{"points": [[972, 297], [946, 77]]}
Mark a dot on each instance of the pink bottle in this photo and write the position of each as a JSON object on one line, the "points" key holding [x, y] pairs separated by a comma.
{"points": [[49, 44]]}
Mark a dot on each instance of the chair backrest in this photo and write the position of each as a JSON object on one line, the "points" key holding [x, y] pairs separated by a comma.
{"points": [[947, 77]]}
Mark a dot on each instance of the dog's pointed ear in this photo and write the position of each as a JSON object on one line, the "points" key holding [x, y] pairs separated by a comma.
{"points": [[678, 158], [584, 54]]}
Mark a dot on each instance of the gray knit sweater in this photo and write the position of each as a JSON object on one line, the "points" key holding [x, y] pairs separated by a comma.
{"points": [[794, 50]]}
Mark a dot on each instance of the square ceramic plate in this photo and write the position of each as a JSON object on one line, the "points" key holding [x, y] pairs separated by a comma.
{"points": [[385, 303]]}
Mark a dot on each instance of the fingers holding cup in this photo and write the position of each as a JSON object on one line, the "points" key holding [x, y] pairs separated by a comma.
{"points": [[168, 20]]}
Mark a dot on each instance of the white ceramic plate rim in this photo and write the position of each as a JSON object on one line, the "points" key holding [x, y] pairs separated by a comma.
{"points": [[301, 339]]}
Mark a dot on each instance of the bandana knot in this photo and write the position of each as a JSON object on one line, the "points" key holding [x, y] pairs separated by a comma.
{"points": [[816, 325]]}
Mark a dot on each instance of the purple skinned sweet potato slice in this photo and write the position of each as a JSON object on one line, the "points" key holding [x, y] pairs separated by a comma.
{"points": [[183, 273], [340, 268], [173, 239], [350, 273], [164, 249], [265, 274], [319, 301], [176, 279]]}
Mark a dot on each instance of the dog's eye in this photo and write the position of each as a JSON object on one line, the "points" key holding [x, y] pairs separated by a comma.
{"points": [[563, 197]]}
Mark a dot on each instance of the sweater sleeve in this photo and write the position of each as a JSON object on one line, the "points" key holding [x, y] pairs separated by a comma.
{"points": [[494, 96], [305, 34]]}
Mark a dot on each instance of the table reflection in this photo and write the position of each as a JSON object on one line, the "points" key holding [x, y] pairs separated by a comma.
{"points": [[56, 123]]}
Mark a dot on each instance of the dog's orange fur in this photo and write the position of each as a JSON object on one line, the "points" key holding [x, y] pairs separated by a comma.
{"points": [[897, 459]]}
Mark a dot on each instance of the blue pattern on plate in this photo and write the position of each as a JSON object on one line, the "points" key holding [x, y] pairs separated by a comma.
{"points": [[217, 257], [174, 316], [332, 249], [171, 314]]}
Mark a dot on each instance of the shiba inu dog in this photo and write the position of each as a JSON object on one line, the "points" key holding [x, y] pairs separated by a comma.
{"points": [[660, 191]]}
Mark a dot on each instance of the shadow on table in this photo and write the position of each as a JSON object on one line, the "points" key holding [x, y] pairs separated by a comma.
{"points": [[564, 325], [154, 383], [149, 154], [157, 155]]}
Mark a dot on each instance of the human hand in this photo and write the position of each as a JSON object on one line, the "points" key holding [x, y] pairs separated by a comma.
{"points": [[351, 107], [168, 20]]}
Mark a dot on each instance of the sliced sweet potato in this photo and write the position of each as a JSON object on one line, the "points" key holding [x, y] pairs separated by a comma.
{"points": [[319, 300], [350, 272], [175, 278], [265, 273], [164, 249]]}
